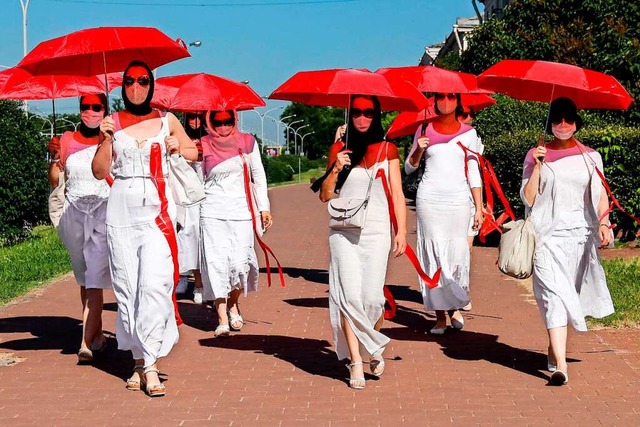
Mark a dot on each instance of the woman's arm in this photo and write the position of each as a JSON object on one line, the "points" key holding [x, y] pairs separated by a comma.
{"points": [[54, 161], [532, 185], [179, 142], [101, 164], [259, 179], [420, 143], [400, 206], [336, 161]]}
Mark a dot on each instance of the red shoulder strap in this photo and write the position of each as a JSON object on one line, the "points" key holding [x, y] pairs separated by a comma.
{"points": [[265, 248]]}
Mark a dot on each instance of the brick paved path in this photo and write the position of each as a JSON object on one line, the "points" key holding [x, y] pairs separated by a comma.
{"points": [[281, 369]]}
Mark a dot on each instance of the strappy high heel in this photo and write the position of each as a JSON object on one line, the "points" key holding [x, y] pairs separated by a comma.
{"points": [[134, 385], [156, 390], [357, 383], [376, 364]]}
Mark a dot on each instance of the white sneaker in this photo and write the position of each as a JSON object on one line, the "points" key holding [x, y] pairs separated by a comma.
{"points": [[197, 296], [183, 284]]}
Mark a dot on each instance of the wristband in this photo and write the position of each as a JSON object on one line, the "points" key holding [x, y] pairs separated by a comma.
{"points": [[605, 225], [54, 160]]}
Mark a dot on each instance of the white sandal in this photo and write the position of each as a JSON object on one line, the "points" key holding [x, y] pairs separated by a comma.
{"points": [[235, 319], [357, 383], [222, 331], [376, 364]]}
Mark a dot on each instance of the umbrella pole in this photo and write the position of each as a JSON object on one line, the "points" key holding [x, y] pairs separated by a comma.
{"points": [[53, 107], [106, 81], [546, 122]]}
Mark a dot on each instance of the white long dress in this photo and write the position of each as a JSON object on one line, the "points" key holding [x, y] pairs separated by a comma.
{"points": [[140, 257], [228, 258], [443, 211], [82, 224], [359, 267], [569, 282], [189, 234]]}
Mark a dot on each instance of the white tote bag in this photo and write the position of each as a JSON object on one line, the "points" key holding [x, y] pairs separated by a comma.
{"points": [[186, 187], [516, 250]]}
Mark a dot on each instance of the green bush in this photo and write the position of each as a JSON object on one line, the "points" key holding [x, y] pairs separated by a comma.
{"points": [[276, 171], [23, 174]]}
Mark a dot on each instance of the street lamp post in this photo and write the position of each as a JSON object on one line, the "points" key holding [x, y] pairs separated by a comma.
{"points": [[294, 142], [282, 120], [295, 133], [262, 116], [301, 154]]}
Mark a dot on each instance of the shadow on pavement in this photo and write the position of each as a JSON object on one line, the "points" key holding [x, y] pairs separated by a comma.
{"points": [[308, 274], [198, 316], [319, 302], [405, 293], [308, 354]]}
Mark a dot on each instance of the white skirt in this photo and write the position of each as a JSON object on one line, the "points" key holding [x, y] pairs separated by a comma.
{"points": [[142, 275], [560, 280], [84, 235], [442, 243], [189, 241], [228, 259]]}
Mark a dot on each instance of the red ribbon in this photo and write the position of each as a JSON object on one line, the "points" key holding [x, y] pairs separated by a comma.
{"points": [[491, 185], [265, 248], [163, 220], [389, 313], [431, 282]]}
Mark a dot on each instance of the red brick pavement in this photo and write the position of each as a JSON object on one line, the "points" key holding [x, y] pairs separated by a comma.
{"points": [[281, 369]]}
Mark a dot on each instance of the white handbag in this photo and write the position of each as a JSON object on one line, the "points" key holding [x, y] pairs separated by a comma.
{"points": [[517, 248], [186, 187], [56, 201]]}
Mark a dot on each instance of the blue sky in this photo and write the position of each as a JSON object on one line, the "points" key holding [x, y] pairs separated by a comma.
{"points": [[264, 42]]}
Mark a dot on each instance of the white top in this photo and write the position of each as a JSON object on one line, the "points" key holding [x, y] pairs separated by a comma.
{"points": [[134, 197], [224, 188], [82, 189], [444, 176]]}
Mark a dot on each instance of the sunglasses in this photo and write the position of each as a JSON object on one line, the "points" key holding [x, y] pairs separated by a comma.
{"points": [[568, 120], [368, 113], [449, 96], [94, 107], [467, 114], [218, 123], [143, 81]]}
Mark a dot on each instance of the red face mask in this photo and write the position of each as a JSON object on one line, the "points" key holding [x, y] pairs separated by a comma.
{"points": [[223, 123], [362, 112], [137, 91], [446, 102]]}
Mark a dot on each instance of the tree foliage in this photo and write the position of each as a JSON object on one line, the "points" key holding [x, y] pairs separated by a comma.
{"points": [[603, 35], [24, 189], [323, 121]]}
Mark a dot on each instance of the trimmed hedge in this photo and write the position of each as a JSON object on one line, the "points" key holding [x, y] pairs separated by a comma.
{"points": [[23, 174]]}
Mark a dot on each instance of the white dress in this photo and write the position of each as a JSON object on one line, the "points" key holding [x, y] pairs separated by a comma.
{"points": [[228, 258], [140, 258], [82, 224], [189, 234], [359, 267], [443, 211], [568, 279]]}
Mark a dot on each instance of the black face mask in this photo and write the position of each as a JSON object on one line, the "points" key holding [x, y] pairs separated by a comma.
{"points": [[88, 132], [144, 108]]}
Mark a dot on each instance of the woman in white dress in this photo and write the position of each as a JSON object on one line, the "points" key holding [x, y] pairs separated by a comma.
{"points": [[140, 213], [82, 224], [359, 256], [449, 190], [189, 232], [568, 205], [228, 259]]}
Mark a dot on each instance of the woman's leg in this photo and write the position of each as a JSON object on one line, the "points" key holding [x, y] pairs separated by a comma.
{"points": [[84, 345], [236, 321], [92, 319], [356, 368], [197, 291], [558, 347], [221, 309], [441, 320]]}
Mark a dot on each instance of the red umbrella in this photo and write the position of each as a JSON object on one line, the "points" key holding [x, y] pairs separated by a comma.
{"points": [[433, 79], [102, 50], [545, 81], [408, 122], [21, 85], [203, 92], [335, 87]]}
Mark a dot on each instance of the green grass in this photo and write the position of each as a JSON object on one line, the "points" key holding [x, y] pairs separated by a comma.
{"points": [[32, 263], [304, 177], [623, 278]]}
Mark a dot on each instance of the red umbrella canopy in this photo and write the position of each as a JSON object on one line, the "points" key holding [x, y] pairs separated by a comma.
{"points": [[94, 51], [21, 85], [545, 81], [433, 79], [408, 122], [334, 88], [203, 92]]}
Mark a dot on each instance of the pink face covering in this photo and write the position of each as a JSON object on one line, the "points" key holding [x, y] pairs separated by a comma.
{"points": [[563, 130], [222, 143], [91, 119], [360, 108]]}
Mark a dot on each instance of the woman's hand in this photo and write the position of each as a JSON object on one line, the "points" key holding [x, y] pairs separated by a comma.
{"points": [[399, 244], [605, 235], [173, 144], [539, 154], [423, 143], [54, 148], [342, 160], [107, 128], [267, 220], [478, 218]]}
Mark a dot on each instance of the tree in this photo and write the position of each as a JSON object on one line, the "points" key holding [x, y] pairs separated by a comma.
{"points": [[117, 105], [23, 173], [603, 35], [323, 121]]}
